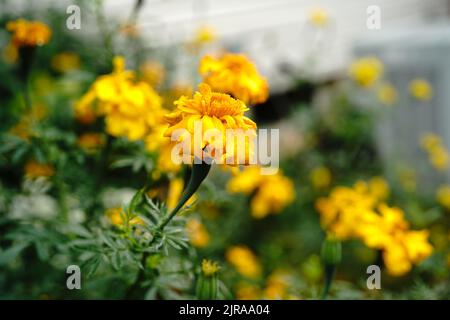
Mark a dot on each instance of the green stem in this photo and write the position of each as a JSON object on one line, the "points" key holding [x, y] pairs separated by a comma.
{"points": [[329, 275], [199, 173]]}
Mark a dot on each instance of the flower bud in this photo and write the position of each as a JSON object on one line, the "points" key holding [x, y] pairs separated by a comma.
{"points": [[331, 252], [207, 281]]}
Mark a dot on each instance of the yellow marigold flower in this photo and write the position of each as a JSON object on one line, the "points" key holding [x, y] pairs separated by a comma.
{"points": [[131, 109], [153, 73], [236, 75], [90, 141], [321, 177], [387, 94], [443, 196], [366, 71], [318, 17], [421, 89], [28, 33], [214, 111], [271, 193], [209, 267], [116, 216], [352, 213], [406, 249], [244, 260], [65, 61], [34, 169], [245, 181], [197, 233]]}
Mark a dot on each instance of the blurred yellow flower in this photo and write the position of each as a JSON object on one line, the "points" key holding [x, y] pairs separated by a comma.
{"points": [[318, 17], [34, 169], [197, 233], [247, 291], [176, 186], [116, 217], [366, 71], [273, 195], [270, 193], [321, 177], [421, 89], [153, 73], [131, 109], [205, 34], [90, 141], [236, 75], [209, 267], [65, 61], [277, 285], [28, 33], [357, 213], [443, 196], [387, 94], [438, 155], [245, 181], [215, 111], [244, 261]]}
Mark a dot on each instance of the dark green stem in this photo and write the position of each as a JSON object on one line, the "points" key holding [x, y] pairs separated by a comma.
{"points": [[199, 173], [329, 275]]}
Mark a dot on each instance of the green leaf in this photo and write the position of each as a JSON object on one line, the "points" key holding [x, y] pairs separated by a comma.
{"points": [[11, 253]]}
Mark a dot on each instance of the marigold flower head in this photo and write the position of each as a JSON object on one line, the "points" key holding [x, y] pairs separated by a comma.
{"points": [[357, 213], [366, 71], [270, 193], [209, 268], [131, 109], [244, 260], [236, 75], [28, 33], [217, 112], [34, 169], [421, 89]]}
